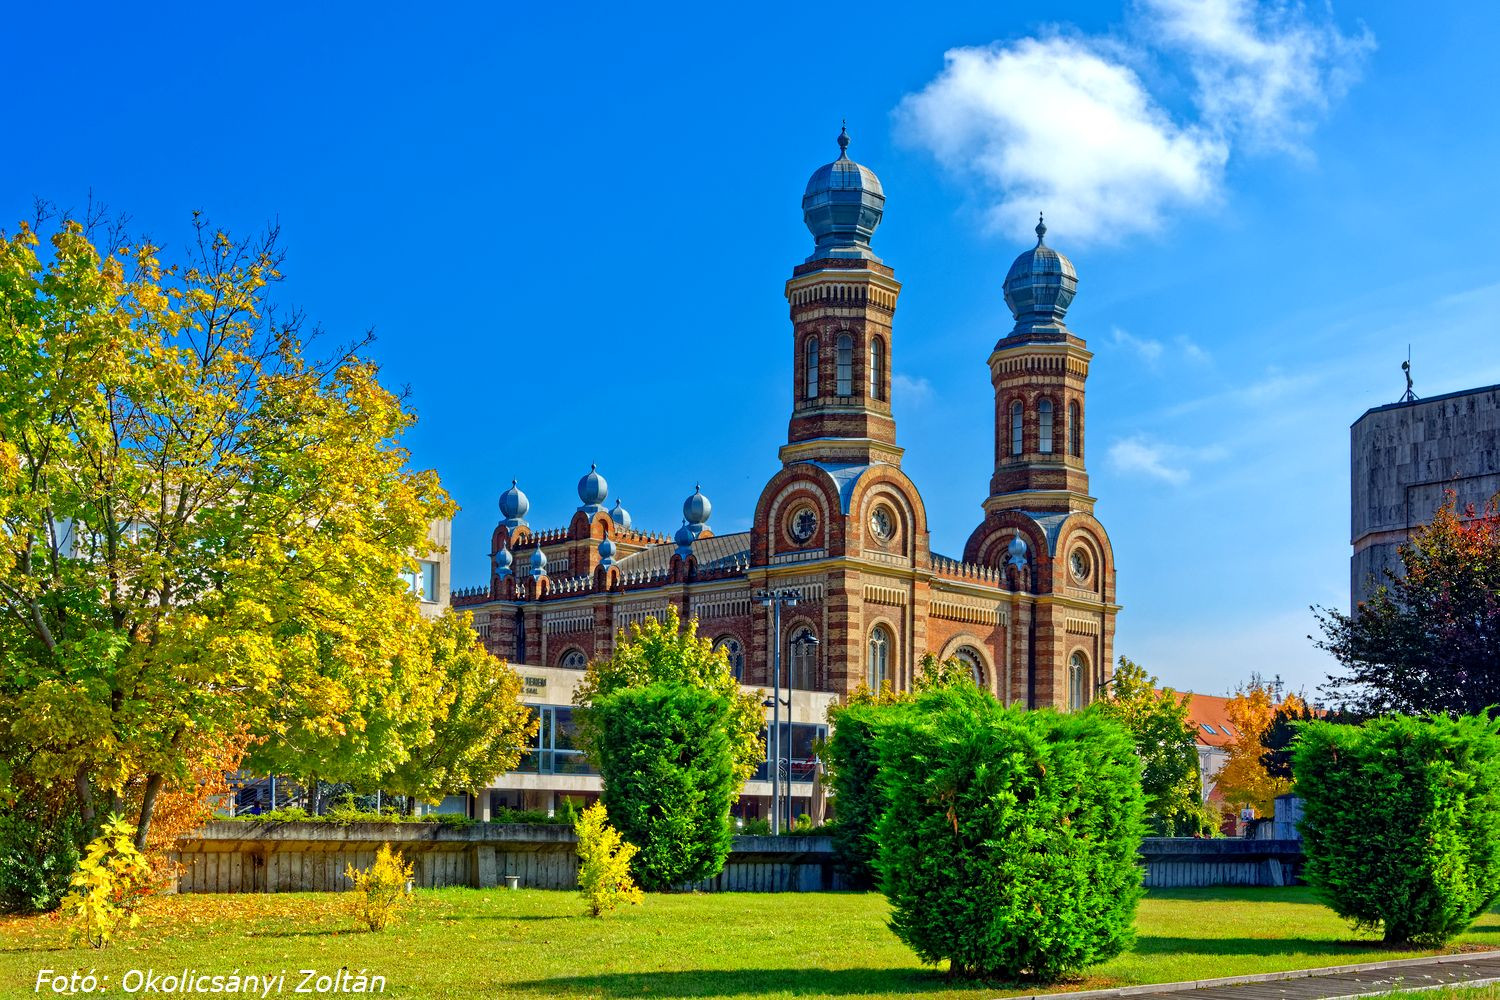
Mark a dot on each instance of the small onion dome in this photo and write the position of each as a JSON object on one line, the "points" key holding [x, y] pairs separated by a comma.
{"points": [[1040, 285], [607, 553], [538, 561], [592, 490], [684, 539], [503, 563], [513, 505], [1017, 551], [620, 516], [696, 509], [842, 206]]}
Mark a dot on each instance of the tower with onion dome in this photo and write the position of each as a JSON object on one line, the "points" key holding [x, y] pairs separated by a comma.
{"points": [[843, 299]]}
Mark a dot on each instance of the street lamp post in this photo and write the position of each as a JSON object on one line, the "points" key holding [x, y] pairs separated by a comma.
{"points": [[775, 599], [807, 641]]}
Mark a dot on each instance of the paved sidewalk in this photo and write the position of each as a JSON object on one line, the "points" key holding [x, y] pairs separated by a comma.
{"points": [[1339, 982]]}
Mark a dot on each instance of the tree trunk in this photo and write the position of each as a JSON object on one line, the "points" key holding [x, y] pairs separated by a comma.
{"points": [[148, 806], [85, 799]]}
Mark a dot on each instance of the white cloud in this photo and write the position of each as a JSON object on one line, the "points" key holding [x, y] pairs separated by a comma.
{"points": [[1158, 460], [1056, 125], [1190, 350], [910, 391], [1065, 125], [1263, 71], [1146, 349]]}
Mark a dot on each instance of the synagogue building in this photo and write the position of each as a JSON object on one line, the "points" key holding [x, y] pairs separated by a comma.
{"points": [[1028, 605]]}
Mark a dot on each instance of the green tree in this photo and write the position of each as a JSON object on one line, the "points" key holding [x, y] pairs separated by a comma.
{"points": [[603, 863], [483, 728], [1427, 640], [1401, 821], [656, 651], [1164, 740], [852, 766], [203, 526], [1009, 840], [666, 757], [674, 739]]}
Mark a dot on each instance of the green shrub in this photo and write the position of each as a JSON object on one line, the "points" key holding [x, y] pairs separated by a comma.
{"points": [[667, 760], [1401, 821], [380, 890], [111, 883], [853, 769], [1009, 837], [756, 828], [603, 863], [38, 854]]}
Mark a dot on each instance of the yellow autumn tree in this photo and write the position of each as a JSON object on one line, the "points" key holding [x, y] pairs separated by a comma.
{"points": [[204, 525], [1243, 780]]}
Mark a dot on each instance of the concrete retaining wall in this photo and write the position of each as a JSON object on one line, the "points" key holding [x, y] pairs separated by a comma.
{"points": [[301, 857]]}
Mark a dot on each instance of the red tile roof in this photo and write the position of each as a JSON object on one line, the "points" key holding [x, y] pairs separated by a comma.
{"points": [[1210, 709]]}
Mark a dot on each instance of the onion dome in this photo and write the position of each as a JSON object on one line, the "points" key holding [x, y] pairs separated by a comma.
{"points": [[620, 516], [1040, 285], [1017, 551], [503, 562], [538, 561], [592, 491], [696, 510], [513, 506], [684, 539], [607, 553], [842, 206]]}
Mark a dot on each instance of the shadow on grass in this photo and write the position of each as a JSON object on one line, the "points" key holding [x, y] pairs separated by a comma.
{"points": [[759, 982], [1150, 944]]}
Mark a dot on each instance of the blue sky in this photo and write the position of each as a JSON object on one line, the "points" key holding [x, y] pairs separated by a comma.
{"points": [[569, 228]]}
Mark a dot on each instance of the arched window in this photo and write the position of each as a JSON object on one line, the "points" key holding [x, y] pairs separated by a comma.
{"points": [[846, 365], [574, 659], [969, 657], [1015, 428], [1077, 671], [1075, 439], [877, 368], [803, 656], [735, 651], [812, 368], [880, 657], [1044, 425]]}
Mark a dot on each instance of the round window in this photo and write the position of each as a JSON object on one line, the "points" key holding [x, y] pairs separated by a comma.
{"points": [[881, 524], [1080, 564], [803, 525]]}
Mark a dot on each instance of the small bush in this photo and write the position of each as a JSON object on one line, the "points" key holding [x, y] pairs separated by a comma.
{"points": [[1401, 821], [38, 856], [854, 768], [1009, 837], [667, 757], [111, 883], [380, 890], [756, 828], [604, 863]]}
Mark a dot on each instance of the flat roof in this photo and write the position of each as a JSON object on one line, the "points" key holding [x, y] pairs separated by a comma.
{"points": [[1427, 399]]}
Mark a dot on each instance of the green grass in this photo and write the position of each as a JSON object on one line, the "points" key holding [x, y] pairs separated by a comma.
{"points": [[536, 944]]}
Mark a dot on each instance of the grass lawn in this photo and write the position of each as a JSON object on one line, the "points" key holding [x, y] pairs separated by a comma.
{"points": [[536, 944]]}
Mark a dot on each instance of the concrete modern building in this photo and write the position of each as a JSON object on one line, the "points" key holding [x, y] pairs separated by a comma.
{"points": [[1404, 458], [1029, 605]]}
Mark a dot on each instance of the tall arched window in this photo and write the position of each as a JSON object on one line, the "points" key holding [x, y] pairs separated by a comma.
{"points": [[846, 365], [880, 657], [804, 659], [1015, 428], [969, 657], [877, 368], [1044, 425], [812, 368], [1077, 671], [1075, 440], [735, 652]]}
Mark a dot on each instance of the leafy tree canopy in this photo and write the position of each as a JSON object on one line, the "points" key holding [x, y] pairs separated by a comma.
{"points": [[1168, 748], [203, 524], [1244, 780], [1427, 640]]}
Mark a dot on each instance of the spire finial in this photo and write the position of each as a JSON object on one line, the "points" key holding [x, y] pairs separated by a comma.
{"points": [[844, 139], [1041, 229]]}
